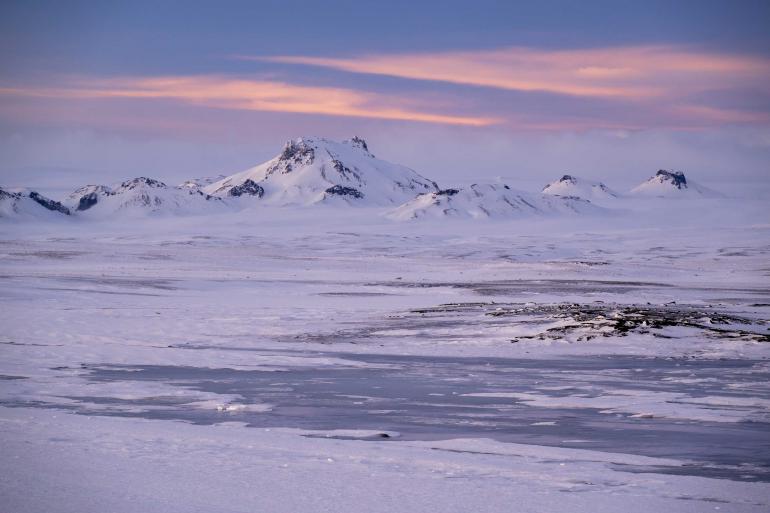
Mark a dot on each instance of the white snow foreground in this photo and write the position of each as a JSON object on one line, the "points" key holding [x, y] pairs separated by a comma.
{"points": [[141, 196], [120, 464], [313, 170], [668, 184], [493, 201], [246, 297], [570, 185]]}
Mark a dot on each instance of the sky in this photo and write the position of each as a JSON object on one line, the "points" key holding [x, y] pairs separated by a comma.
{"points": [[97, 92]]}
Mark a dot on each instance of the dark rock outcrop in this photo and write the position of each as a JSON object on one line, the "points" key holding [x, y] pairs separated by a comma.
{"points": [[675, 177], [359, 142], [247, 188], [87, 201], [341, 190], [297, 151], [48, 203], [139, 182], [8, 195]]}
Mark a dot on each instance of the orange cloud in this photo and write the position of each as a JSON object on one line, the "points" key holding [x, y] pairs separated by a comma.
{"points": [[624, 72], [259, 95]]}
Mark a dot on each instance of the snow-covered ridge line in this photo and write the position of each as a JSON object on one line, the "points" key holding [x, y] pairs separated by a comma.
{"points": [[140, 195], [29, 204], [489, 201], [314, 170]]}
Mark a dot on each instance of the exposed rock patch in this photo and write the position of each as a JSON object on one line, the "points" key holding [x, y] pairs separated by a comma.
{"points": [[248, 188]]}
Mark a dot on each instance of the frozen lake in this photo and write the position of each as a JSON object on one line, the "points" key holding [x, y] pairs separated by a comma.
{"points": [[430, 398]]}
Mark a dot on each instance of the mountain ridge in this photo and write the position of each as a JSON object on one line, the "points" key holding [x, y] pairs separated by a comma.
{"points": [[318, 171], [480, 201]]}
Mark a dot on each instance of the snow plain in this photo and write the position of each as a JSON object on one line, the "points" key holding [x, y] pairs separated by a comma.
{"points": [[330, 359]]}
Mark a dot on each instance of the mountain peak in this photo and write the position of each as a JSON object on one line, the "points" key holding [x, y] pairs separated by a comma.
{"points": [[357, 142], [87, 196], [298, 149], [312, 170], [675, 177], [140, 182], [667, 183], [571, 185]]}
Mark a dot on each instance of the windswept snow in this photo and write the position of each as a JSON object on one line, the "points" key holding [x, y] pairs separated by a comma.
{"points": [[493, 201], [314, 170]]}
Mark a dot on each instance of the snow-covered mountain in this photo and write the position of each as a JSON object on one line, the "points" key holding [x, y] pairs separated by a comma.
{"points": [[570, 185], [29, 204], [312, 170], [490, 201], [141, 195], [666, 183]]}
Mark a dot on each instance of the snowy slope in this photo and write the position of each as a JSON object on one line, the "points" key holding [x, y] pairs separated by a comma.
{"points": [[570, 185], [489, 201], [141, 196], [311, 170], [29, 204], [666, 183], [197, 184]]}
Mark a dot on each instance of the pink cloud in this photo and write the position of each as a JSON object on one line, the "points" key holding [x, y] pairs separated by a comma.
{"points": [[624, 72], [624, 88], [258, 95]]}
